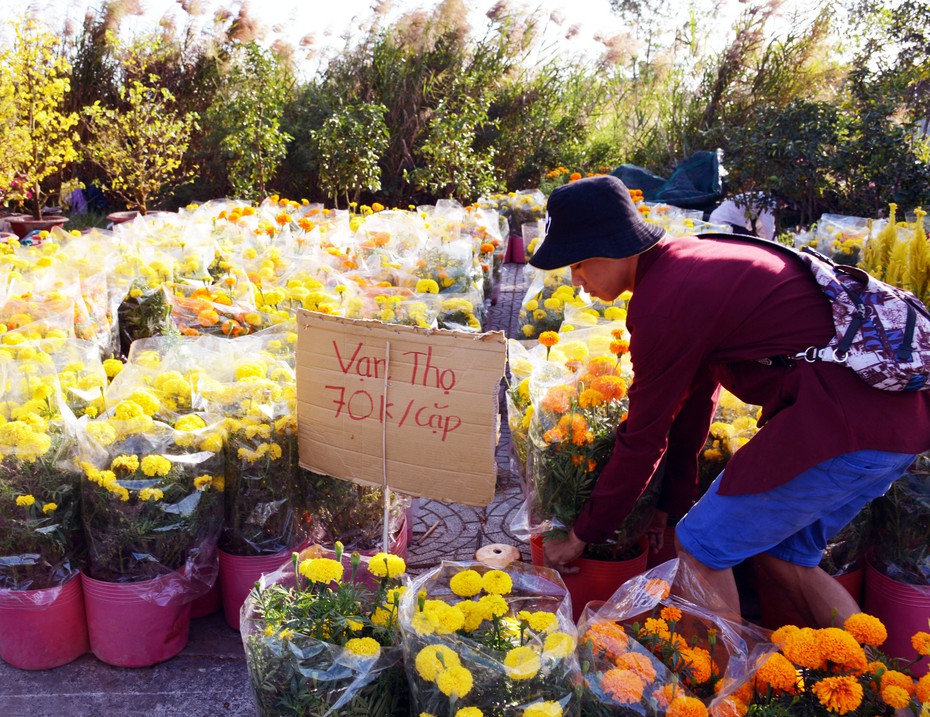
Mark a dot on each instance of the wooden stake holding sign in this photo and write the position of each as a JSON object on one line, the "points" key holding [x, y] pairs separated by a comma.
{"points": [[410, 409]]}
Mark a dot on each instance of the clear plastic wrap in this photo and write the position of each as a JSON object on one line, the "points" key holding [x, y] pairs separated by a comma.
{"points": [[661, 643], [325, 647], [501, 641], [543, 306], [735, 422]]}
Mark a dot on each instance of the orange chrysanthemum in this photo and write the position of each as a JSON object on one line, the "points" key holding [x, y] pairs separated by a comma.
{"points": [[619, 347], [684, 706], [590, 398], [607, 638], [841, 648], [558, 399], [778, 674], [803, 648], [921, 642], [623, 686], [839, 694], [866, 629], [548, 339], [574, 425], [613, 388], [639, 663], [895, 697]]}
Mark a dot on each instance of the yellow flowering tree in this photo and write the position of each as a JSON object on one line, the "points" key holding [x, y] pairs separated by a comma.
{"points": [[140, 145], [40, 75], [483, 641], [321, 635], [12, 141]]}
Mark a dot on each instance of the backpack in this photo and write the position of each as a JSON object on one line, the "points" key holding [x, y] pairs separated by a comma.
{"points": [[882, 332]]}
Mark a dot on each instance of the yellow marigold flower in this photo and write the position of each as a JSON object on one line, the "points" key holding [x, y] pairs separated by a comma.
{"points": [[445, 619], [386, 565], [321, 570], [839, 694], [455, 681], [203, 482], [684, 706], [623, 686], [895, 697], [529, 331], [433, 659], [548, 339], [112, 367], [49, 508], [493, 606], [522, 663], [466, 583], [803, 648], [497, 582], [190, 422], [866, 629], [427, 286], [558, 645], [921, 642], [25, 500], [539, 621], [146, 400], [469, 712], [778, 674], [546, 708], [531, 305], [670, 614], [212, 443], [127, 410], [838, 646], [128, 463], [155, 465], [363, 647], [152, 494]]}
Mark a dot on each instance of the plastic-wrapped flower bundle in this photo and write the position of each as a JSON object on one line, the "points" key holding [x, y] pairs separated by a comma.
{"points": [[543, 306], [485, 642], [321, 636], [650, 651], [735, 422]]}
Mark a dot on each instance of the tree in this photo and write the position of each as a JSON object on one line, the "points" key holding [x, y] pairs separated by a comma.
{"points": [[44, 131], [140, 147], [247, 113]]}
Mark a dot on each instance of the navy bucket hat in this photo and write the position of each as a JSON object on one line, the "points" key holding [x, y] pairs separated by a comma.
{"points": [[593, 218]]}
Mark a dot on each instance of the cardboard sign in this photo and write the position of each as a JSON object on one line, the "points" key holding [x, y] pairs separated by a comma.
{"points": [[420, 405]]}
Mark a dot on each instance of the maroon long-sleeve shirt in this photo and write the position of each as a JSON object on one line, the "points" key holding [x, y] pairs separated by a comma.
{"points": [[703, 312]]}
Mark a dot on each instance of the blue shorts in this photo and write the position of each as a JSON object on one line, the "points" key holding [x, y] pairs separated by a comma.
{"points": [[794, 521]]}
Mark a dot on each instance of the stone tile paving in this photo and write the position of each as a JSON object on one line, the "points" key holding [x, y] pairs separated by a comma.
{"points": [[209, 678]]}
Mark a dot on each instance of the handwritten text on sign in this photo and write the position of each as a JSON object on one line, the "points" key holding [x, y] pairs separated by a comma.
{"points": [[374, 398]]}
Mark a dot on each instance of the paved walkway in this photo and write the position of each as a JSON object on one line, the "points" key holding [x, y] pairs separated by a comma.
{"points": [[209, 678]]}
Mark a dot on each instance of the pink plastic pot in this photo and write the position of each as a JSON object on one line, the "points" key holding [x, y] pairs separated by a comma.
{"points": [[238, 574], [208, 603], [595, 579], [904, 609], [128, 630], [42, 629]]}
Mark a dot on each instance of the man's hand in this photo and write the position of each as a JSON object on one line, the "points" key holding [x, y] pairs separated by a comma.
{"points": [[655, 531], [559, 553]]}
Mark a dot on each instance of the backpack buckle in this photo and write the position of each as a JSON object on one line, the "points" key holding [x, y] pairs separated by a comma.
{"points": [[831, 355]]}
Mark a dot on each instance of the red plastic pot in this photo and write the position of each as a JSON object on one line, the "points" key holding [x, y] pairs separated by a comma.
{"points": [[22, 225], [595, 579], [128, 630], [903, 608], [42, 629]]}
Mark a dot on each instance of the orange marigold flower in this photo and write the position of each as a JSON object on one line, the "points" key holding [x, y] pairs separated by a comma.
{"points": [[697, 664], [898, 679], [623, 686], [803, 648], [778, 674], [619, 347], [602, 366], [574, 176], [670, 614], [657, 588], [655, 626], [548, 339], [664, 694], [574, 425], [684, 706], [921, 642], [782, 633], [731, 706], [590, 398], [923, 689], [607, 638], [866, 629], [839, 694], [838, 646], [487, 248], [610, 387], [639, 663], [558, 399], [895, 697]]}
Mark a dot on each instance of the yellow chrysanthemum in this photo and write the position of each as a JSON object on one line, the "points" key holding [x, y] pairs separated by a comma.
{"points": [[321, 570], [152, 494], [474, 614], [497, 582], [522, 663], [493, 606], [433, 659], [386, 565], [456, 681], [466, 583], [839, 694]]}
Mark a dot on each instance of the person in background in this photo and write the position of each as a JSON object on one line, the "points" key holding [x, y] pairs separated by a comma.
{"points": [[746, 214], [713, 312]]}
